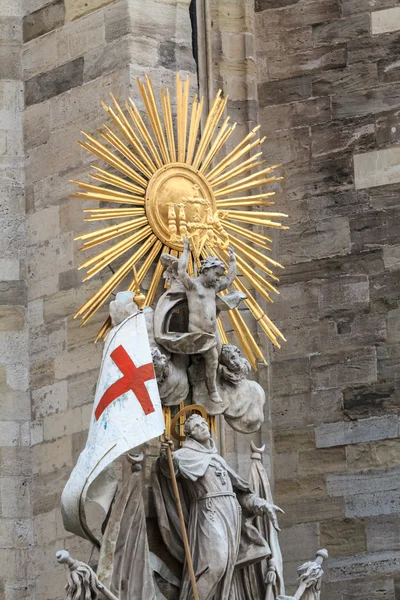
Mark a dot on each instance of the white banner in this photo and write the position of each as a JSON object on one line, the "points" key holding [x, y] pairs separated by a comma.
{"points": [[127, 412]]}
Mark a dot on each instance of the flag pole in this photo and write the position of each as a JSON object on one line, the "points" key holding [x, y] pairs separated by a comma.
{"points": [[189, 560]]}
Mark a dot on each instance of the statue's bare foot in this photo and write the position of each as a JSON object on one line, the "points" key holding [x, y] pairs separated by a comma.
{"points": [[215, 397]]}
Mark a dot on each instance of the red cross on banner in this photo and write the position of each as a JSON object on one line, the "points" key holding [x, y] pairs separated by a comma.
{"points": [[134, 379]]}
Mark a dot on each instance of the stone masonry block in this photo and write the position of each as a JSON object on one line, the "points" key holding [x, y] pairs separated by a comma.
{"points": [[37, 124], [306, 510], [373, 400], [49, 399], [66, 423], [291, 377], [322, 460], [9, 433], [43, 20], [385, 21], [364, 430], [51, 456], [369, 505], [79, 37], [54, 82], [285, 465], [40, 56], [352, 483], [346, 368], [383, 533], [344, 569], [343, 294], [79, 360], [74, 9], [362, 102], [380, 454], [12, 318], [299, 541], [319, 240], [15, 493], [379, 167], [9, 270], [15, 460], [343, 537]]}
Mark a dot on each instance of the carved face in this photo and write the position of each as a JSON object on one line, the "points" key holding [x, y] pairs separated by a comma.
{"points": [[231, 358], [212, 275], [161, 364], [199, 430]]}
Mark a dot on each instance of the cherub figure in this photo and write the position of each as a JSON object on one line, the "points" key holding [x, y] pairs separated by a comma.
{"points": [[201, 295]]}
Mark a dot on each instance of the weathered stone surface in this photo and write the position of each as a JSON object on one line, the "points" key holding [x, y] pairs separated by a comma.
{"points": [[291, 377], [385, 21], [267, 4], [343, 538], [74, 9], [362, 102], [54, 82], [12, 318], [285, 465], [376, 168], [374, 229], [380, 454], [319, 240], [300, 541], [306, 510], [357, 366], [49, 399], [10, 63], [352, 484], [37, 124], [371, 400], [301, 410], [301, 439], [364, 430], [349, 79], [43, 20], [322, 460], [349, 7], [393, 325], [363, 263], [302, 63], [339, 136], [343, 294], [285, 90], [361, 566], [341, 30], [383, 533], [372, 504]]}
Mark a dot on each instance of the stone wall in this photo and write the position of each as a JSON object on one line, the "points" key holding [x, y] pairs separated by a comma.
{"points": [[75, 53], [15, 469], [329, 103]]}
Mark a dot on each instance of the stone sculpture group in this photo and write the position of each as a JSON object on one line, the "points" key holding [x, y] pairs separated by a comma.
{"points": [[232, 524]]}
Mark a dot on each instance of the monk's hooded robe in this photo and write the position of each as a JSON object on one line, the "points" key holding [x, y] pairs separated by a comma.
{"points": [[218, 508]]}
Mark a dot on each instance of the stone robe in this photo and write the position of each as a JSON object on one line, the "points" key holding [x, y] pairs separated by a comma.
{"points": [[218, 506]]}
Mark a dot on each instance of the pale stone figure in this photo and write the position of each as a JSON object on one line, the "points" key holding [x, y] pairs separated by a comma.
{"points": [[310, 575], [219, 507], [171, 375], [201, 297], [246, 398]]}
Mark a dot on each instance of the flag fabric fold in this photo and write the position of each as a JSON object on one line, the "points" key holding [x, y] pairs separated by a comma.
{"points": [[126, 412]]}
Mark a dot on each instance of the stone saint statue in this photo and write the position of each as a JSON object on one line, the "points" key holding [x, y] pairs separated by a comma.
{"points": [[201, 295], [219, 508]]}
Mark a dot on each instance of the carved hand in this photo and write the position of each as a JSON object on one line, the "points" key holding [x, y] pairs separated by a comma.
{"points": [[270, 510], [186, 244], [165, 445], [232, 256]]}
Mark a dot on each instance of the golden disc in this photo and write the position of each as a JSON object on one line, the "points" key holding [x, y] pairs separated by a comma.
{"points": [[179, 203]]}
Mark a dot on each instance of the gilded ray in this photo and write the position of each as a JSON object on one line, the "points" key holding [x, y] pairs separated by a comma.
{"points": [[165, 178]]}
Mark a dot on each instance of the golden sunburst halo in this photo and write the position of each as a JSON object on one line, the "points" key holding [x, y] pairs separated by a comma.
{"points": [[167, 183]]}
